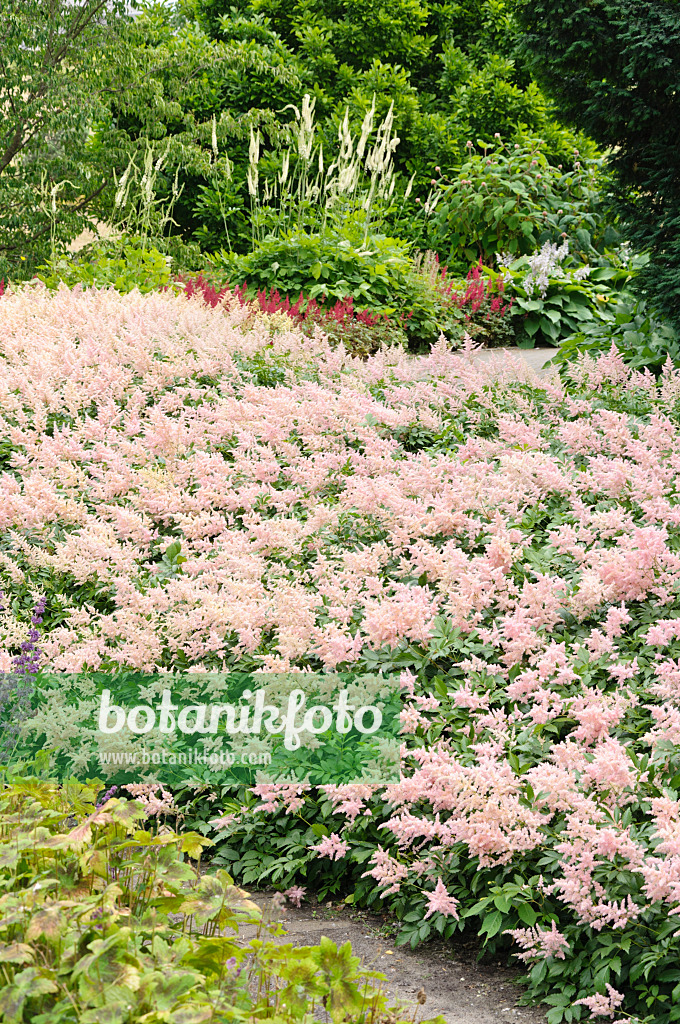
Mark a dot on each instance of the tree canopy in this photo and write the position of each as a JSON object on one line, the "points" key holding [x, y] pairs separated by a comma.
{"points": [[613, 67]]}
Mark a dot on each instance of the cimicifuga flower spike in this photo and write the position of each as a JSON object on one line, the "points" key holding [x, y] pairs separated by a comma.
{"points": [[161, 161], [214, 137], [285, 165], [252, 178], [345, 139], [366, 129], [123, 186], [306, 128], [254, 148]]}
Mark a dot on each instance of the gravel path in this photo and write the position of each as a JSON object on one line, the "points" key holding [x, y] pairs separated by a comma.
{"points": [[457, 987], [534, 357]]}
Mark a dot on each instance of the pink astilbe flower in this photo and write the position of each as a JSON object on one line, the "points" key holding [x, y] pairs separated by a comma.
{"points": [[539, 943], [387, 871], [349, 800], [295, 894], [331, 846], [155, 803], [440, 902], [316, 531], [602, 1005], [280, 794]]}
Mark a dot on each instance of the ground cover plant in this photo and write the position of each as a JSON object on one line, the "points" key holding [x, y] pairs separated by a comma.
{"points": [[106, 918], [195, 486]]}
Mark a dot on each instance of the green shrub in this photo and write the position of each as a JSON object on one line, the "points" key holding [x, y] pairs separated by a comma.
{"points": [[145, 269], [643, 341], [106, 918], [555, 296], [508, 198], [330, 266], [324, 266]]}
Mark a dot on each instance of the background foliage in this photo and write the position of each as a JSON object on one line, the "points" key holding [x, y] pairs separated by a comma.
{"points": [[613, 68]]}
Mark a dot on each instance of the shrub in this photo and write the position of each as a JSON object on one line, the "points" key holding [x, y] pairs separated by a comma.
{"points": [[555, 296], [337, 266], [135, 267], [510, 199], [324, 266], [643, 341]]}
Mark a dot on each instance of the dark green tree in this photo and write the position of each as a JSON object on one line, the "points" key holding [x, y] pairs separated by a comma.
{"points": [[613, 68], [449, 66]]}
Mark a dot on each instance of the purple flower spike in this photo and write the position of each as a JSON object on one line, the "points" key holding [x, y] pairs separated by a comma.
{"points": [[28, 662], [107, 796]]}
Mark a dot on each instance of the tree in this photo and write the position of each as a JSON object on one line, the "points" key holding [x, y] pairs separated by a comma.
{"points": [[51, 92], [86, 86], [613, 67]]}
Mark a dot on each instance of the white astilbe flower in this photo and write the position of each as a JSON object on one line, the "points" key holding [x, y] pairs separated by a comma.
{"points": [[543, 265], [582, 272]]}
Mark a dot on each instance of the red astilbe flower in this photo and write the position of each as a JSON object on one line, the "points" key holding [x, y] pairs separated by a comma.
{"points": [[479, 290], [301, 311]]}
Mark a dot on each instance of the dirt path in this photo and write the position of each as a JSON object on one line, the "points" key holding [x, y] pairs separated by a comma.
{"points": [[456, 986]]}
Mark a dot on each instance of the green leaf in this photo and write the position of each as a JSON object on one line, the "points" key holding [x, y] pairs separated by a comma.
{"points": [[192, 1013], [549, 328], [492, 924], [527, 914], [531, 325]]}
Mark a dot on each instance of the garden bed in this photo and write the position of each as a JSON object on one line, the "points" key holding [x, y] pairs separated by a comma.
{"points": [[190, 488]]}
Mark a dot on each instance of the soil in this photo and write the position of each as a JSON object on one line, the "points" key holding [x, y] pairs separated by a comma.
{"points": [[457, 986]]}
